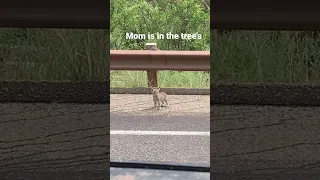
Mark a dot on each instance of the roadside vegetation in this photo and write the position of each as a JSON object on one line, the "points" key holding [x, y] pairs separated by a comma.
{"points": [[167, 79], [265, 57], [163, 16], [53, 54]]}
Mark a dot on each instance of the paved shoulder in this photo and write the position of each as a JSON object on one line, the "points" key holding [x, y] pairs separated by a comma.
{"points": [[136, 105]]}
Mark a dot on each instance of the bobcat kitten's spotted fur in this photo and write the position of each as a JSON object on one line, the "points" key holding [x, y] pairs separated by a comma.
{"points": [[159, 98]]}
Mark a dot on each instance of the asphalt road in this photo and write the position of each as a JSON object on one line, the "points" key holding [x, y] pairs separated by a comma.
{"points": [[265, 142], [167, 145], [175, 134]]}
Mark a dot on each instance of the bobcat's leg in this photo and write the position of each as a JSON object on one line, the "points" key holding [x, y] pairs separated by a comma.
{"points": [[162, 104], [167, 103], [155, 104]]}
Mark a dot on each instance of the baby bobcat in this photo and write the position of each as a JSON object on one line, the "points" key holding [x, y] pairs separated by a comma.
{"points": [[159, 97]]}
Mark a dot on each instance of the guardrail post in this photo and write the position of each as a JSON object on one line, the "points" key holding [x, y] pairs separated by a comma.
{"points": [[152, 74]]}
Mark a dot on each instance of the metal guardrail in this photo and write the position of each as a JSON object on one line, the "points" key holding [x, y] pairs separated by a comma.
{"points": [[154, 60], [159, 60]]}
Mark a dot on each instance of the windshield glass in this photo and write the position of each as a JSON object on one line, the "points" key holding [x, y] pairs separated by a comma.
{"points": [[160, 107], [147, 174]]}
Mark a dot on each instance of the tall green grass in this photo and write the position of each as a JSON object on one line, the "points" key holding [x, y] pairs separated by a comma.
{"points": [[53, 54], [265, 57], [175, 79]]}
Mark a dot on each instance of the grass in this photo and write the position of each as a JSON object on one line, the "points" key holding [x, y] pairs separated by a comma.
{"points": [[53, 54], [175, 79], [265, 57], [82, 55]]}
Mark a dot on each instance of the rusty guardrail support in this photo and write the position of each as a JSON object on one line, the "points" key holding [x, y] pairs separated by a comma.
{"points": [[152, 74], [154, 60]]}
